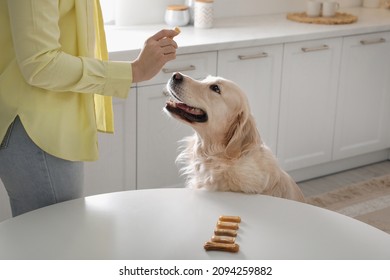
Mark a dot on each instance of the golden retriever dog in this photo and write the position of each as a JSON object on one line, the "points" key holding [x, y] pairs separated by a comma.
{"points": [[226, 152]]}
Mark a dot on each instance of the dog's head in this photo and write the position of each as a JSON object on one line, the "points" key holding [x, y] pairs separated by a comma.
{"points": [[216, 108]]}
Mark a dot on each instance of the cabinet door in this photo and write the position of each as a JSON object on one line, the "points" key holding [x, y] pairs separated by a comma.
{"points": [[363, 113], [258, 72], [158, 139], [308, 102], [158, 135], [115, 168]]}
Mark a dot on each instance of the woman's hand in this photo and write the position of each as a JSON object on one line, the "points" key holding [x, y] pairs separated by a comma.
{"points": [[158, 50]]}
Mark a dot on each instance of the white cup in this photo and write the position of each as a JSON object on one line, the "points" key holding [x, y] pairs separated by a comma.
{"points": [[371, 3], [313, 8], [329, 9]]}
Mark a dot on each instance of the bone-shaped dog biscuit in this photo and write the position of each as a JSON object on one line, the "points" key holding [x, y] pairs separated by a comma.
{"points": [[227, 225], [214, 246], [177, 29], [233, 219], [225, 232], [223, 239]]}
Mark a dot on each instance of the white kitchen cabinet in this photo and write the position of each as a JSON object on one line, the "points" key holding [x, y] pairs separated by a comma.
{"points": [[257, 70], [158, 139], [158, 135], [363, 112], [115, 170], [308, 102]]}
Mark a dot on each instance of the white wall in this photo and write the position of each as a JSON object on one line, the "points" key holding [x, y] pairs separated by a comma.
{"points": [[152, 11], [231, 8]]}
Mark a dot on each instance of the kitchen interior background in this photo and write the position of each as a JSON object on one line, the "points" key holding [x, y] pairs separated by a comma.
{"points": [[152, 11]]}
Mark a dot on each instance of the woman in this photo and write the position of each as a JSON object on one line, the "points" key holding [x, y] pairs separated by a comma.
{"points": [[55, 94]]}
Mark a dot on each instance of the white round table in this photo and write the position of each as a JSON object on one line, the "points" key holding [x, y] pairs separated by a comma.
{"points": [[175, 223]]}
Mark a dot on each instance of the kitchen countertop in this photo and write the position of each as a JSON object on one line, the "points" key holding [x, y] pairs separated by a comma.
{"points": [[229, 33]]}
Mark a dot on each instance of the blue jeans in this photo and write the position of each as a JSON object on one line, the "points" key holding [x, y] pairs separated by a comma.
{"points": [[33, 178]]}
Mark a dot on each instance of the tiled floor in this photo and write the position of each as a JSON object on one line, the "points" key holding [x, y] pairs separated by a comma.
{"points": [[338, 180]]}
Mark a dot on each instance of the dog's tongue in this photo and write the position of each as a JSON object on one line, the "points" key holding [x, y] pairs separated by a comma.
{"points": [[188, 109]]}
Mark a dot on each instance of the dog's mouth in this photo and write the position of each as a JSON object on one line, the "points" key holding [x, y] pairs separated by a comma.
{"points": [[184, 111]]}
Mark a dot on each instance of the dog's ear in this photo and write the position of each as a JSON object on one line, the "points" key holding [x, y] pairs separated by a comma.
{"points": [[241, 134]]}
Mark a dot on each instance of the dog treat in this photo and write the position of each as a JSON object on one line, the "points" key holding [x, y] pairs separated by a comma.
{"points": [[214, 246], [227, 225], [225, 232], [234, 219], [177, 29], [223, 239]]}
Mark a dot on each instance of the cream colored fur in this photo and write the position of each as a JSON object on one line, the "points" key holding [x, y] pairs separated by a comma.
{"points": [[226, 152]]}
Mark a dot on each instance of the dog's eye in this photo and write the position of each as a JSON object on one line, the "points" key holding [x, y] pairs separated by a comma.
{"points": [[215, 88]]}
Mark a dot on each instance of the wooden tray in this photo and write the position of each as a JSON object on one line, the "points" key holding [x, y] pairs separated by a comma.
{"points": [[339, 18]]}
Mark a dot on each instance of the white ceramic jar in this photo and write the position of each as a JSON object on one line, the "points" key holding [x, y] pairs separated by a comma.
{"points": [[204, 13], [177, 15]]}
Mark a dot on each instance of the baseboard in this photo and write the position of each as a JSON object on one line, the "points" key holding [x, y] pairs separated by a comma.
{"points": [[320, 170]]}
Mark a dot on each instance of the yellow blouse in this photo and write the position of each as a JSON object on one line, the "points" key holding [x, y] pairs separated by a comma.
{"points": [[55, 76]]}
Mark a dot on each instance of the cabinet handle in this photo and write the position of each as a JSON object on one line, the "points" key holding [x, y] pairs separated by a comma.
{"points": [[253, 56], [316, 49], [371, 42], [179, 69]]}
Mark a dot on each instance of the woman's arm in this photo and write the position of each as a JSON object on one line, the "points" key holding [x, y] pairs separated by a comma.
{"points": [[43, 63]]}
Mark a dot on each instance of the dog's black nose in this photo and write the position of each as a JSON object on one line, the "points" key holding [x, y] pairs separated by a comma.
{"points": [[177, 77]]}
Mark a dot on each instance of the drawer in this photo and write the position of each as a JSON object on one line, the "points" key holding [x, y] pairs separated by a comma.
{"points": [[196, 65]]}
